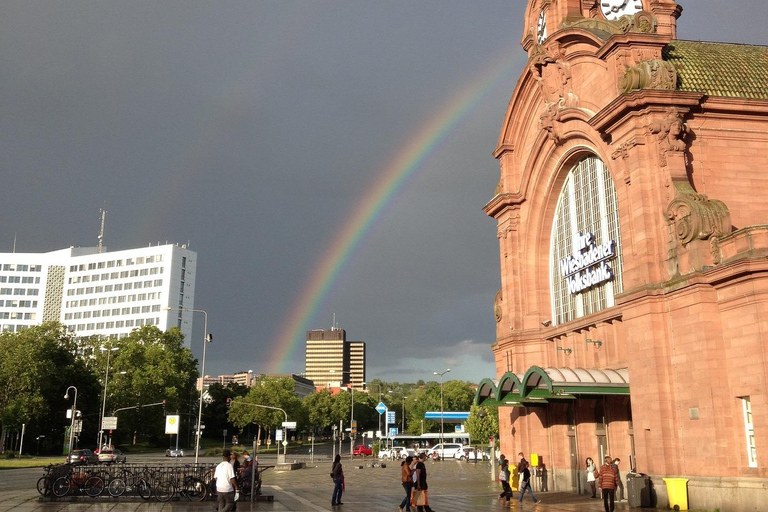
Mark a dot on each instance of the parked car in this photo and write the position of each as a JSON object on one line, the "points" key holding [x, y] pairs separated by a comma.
{"points": [[111, 455], [397, 452], [174, 452], [84, 456], [471, 454], [445, 450], [361, 449]]}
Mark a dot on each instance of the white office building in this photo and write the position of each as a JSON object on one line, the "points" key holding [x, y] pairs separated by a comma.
{"points": [[106, 293]]}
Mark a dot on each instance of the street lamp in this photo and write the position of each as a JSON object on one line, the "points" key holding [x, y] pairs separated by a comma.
{"points": [[72, 421], [442, 439], [207, 338], [104, 402], [404, 413]]}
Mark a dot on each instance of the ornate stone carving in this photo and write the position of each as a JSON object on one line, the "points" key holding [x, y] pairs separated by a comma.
{"points": [[671, 133], [696, 217], [497, 309], [643, 22], [547, 121], [622, 151], [553, 74], [649, 74]]}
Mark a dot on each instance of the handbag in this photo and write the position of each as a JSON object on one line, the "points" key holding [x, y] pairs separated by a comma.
{"points": [[419, 498], [595, 474]]}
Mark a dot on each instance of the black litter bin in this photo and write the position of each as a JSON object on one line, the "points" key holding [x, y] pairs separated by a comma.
{"points": [[639, 490]]}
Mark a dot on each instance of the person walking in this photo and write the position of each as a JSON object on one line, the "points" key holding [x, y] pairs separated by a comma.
{"points": [[421, 484], [337, 474], [226, 484], [406, 475], [592, 476], [502, 458], [607, 481], [504, 477], [619, 484], [525, 484]]}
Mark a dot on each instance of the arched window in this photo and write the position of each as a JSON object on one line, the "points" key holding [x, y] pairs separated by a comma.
{"points": [[585, 250]]}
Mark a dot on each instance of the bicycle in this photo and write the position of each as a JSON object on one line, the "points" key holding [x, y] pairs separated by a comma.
{"points": [[130, 481], [86, 482], [190, 487]]}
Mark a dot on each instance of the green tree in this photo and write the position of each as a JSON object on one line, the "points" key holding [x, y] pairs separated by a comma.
{"points": [[273, 393], [37, 367], [319, 410], [216, 408], [157, 367], [483, 424]]}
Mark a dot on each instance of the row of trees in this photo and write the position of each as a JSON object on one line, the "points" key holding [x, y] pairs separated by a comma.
{"points": [[150, 366], [40, 363], [252, 410]]}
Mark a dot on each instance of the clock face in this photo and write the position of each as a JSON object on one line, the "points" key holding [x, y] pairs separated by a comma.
{"points": [[615, 9], [541, 31]]}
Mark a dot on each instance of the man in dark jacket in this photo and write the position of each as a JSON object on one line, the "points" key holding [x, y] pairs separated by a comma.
{"points": [[421, 482]]}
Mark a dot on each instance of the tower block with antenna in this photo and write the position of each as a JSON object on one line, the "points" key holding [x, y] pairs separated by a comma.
{"points": [[101, 229]]}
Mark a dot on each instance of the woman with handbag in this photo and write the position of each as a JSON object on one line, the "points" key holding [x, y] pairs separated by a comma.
{"points": [[592, 476]]}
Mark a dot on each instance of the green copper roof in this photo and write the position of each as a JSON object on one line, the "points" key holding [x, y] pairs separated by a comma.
{"points": [[720, 69]]}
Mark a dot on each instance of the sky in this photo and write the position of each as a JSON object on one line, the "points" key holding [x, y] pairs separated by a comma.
{"points": [[322, 157]]}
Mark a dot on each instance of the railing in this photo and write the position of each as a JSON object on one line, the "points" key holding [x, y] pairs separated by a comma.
{"points": [[160, 482]]}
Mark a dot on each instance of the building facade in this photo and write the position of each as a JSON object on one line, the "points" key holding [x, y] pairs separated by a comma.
{"points": [[330, 358], [632, 318], [104, 293], [303, 387]]}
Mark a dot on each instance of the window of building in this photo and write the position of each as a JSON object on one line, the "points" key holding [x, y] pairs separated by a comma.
{"points": [[585, 249], [749, 430]]}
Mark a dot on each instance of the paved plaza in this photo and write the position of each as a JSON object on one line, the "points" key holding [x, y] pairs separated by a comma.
{"points": [[454, 487]]}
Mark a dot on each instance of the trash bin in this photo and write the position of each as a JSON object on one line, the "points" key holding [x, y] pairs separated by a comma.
{"points": [[639, 490], [677, 493]]}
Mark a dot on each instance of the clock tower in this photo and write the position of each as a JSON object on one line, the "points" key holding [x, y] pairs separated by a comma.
{"points": [[630, 320]]}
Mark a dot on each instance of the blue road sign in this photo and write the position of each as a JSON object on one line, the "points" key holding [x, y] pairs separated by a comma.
{"points": [[381, 408]]}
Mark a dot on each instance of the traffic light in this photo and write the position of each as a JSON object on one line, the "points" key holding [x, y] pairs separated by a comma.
{"points": [[229, 403]]}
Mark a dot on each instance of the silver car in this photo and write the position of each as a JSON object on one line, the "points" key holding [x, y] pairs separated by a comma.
{"points": [[111, 456]]}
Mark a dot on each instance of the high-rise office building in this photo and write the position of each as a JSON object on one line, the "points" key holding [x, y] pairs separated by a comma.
{"points": [[104, 293], [331, 358]]}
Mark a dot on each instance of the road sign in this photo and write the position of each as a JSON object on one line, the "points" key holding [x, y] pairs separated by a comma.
{"points": [[109, 423], [289, 424], [393, 432], [278, 435], [391, 418], [171, 424], [78, 427], [381, 408], [285, 443]]}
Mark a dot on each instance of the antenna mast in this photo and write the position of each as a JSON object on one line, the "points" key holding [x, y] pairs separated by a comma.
{"points": [[101, 229]]}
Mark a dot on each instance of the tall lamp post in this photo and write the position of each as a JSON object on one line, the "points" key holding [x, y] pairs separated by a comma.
{"points": [[404, 414], [207, 338], [72, 421], [104, 401], [442, 439]]}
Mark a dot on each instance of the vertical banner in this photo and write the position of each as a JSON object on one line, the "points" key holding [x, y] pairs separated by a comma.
{"points": [[171, 424]]}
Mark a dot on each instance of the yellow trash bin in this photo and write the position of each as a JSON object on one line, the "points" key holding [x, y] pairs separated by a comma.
{"points": [[677, 492]]}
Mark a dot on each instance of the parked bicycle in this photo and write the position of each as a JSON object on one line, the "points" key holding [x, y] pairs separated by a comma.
{"points": [[77, 482], [185, 485]]}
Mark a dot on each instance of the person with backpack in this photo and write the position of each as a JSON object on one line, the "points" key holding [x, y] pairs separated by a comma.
{"points": [[504, 477], [607, 481]]}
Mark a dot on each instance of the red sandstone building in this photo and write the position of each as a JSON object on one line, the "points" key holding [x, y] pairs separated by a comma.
{"points": [[632, 225]]}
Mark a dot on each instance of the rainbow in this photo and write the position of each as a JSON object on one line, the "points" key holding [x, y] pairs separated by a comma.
{"points": [[395, 175]]}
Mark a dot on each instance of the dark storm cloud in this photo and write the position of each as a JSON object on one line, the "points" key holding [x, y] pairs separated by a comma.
{"points": [[251, 129]]}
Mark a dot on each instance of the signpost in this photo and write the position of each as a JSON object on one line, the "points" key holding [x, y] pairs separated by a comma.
{"points": [[109, 423]]}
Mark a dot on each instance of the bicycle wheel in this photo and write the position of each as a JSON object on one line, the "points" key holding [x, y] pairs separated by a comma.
{"points": [[143, 488], [164, 491], [195, 489], [94, 486], [116, 487], [42, 486], [61, 486]]}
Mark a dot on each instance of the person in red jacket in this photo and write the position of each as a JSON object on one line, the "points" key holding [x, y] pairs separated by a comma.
{"points": [[607, 481]]}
